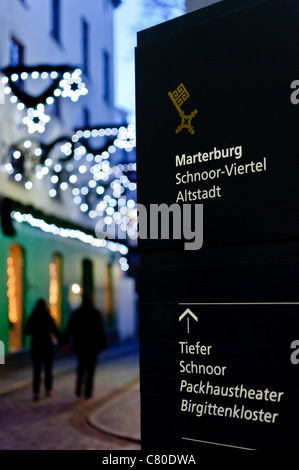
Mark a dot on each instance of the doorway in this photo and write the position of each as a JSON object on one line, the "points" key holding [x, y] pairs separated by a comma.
{"points": [[55, 288], [15, 294]]}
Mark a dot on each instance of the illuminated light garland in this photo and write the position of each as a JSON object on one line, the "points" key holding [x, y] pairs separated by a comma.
{"points": [[69, 233], [69, 85], [36, 119], [72, 85], [125, 137], [97, 165], [101, 170]]}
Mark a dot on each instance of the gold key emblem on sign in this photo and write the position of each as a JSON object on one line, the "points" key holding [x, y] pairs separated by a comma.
{"points": [[178, 97]]}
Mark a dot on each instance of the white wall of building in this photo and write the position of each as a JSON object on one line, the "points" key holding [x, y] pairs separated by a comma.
{"points": [[126, 308]]}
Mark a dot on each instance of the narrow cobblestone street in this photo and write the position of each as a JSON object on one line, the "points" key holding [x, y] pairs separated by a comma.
{"points": [[65, 422]]}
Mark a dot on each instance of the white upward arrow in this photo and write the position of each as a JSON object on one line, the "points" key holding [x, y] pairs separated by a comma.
{"points": [[189, 313]]}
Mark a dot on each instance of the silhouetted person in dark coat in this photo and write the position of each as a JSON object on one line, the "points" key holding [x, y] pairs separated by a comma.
{"points": [[86, 327], [42, 328]]}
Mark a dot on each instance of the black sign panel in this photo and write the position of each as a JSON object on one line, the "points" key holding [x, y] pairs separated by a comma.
{"points": [[224, 377], [217, 125]]}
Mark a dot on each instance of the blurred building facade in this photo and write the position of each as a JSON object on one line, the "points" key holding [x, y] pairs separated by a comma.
{"points": [[65, 149]]}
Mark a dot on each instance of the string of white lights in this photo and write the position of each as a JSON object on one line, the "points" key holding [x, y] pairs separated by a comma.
{"points": [[86, 176], [101, 171], [89, 179], [70, 86], [75, 235], [125, 137]]}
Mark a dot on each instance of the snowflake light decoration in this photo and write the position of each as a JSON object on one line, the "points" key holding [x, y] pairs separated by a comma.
{"points": [[36, 119], [72, 85]]}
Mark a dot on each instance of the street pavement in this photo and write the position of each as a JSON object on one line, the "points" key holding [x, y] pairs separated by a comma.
{"points": [[110, 420]]}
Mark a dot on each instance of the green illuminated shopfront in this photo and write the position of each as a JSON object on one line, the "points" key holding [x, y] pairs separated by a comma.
{"points": [[41, 260]]}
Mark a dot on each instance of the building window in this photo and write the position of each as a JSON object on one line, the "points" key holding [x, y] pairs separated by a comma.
{"points": [[106, 68], [85, 47], [86, 117], [15, 292], [17, 53], [105, 5], [55, 288], [55, 19], [17, 57]]}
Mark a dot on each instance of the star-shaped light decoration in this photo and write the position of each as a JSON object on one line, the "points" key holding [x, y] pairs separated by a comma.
{"points": [[72, 85], [36, 119], [64, 80]]}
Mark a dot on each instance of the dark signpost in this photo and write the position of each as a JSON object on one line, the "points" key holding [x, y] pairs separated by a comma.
{"points": [[217, 125]]}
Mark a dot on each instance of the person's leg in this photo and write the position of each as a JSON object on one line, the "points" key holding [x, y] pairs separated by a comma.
{"points": [[80, 374], [36, 364], [48, 361], [91, 366]]}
